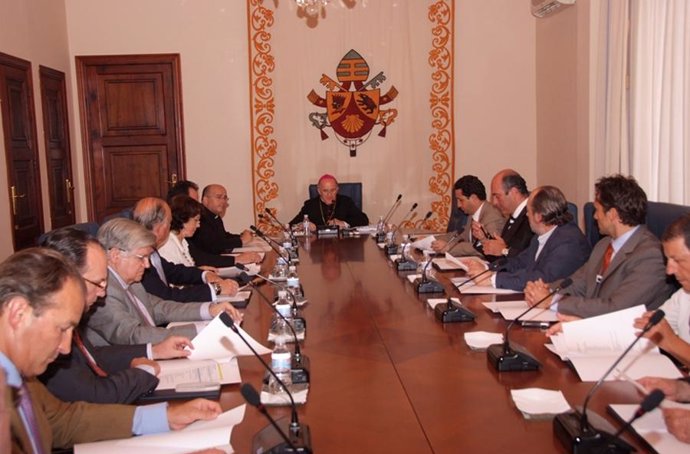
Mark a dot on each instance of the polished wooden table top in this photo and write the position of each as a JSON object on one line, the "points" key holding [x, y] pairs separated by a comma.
{"points": [[387, 377]]}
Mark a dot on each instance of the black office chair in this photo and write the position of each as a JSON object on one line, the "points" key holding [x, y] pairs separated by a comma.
{"points": [[457, 218], [89, 227], [352, 190]]}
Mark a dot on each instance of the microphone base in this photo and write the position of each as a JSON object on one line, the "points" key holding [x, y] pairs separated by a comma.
{"points": [[300, 369], [332, 231], [268, 441], [567, 428], [450, 313], [380, 237], [428, 286], [405, 265], [391, 249], [294, 255], [513, 360]]}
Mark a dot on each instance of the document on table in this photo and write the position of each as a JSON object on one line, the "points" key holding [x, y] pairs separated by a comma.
{"points": [[497, 306], [652, 428], [261, 254], [537, 314], [449, 263], [539, 403], [184, 371], [255, 245], [594, 343], [197, 436], [219, 342], [236, 298], [230, 272], [424, 244]]}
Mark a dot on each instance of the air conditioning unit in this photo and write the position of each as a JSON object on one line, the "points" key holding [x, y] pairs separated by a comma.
{"points": [[543, 8]]}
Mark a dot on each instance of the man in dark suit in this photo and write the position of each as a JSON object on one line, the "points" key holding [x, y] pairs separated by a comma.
{"points": [[330, 208], [509, 194], [626, 268], [171, 281], [41, 300], [110, 374], [211, 235], [557, 249]]}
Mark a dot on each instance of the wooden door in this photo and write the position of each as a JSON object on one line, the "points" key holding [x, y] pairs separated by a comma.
{"points": [[57, 144], [21, 154], [132, 128]]}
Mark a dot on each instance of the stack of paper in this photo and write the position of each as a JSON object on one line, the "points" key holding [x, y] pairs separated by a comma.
{"points": [[537, 403], [467, 286], [196, 436], [593, 344], [449, 263]]}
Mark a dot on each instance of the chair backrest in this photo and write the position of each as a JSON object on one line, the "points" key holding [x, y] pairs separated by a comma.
{"points": [[659, 216], [124, 213], [89, 227], [572, 208], [457, 218], [352, 190]]}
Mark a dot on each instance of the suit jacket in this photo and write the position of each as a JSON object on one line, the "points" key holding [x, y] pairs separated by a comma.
{"points": [[118, 321], [189, 277], [345, 210], [490, 218], [564, 252], [70, 378], [636, 275], [62, 424], [212, 237], [517, 236]]}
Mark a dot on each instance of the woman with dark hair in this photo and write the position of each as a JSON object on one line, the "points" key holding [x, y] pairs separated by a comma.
{"points": [[186, 217]]}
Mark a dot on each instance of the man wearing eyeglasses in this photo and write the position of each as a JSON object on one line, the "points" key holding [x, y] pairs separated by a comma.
{"points": [[211, 235], [130, 315], [110, 374]]}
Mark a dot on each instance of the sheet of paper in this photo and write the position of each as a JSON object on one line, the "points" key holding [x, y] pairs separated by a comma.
{"points": [[497, 306], [255, 245], [199, 325], [299, 396], [652, 428], [196, 436], [412, 277], [449, 263], [611, 332], [424, 244], [219, 342], [179, 371], [480, 340], [433, 302], [536, 314], [636, 365], [539, 401], [236, 298], [230, 272], [485, 290], [261, 254]]}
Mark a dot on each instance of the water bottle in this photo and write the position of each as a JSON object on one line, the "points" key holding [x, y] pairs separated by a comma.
{"points": [[281, 359], [293, 282], [305, 225], [280, 268], [380, 230]]}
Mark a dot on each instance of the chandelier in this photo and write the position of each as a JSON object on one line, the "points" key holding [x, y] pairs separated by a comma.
{"points": [[312, 7]]}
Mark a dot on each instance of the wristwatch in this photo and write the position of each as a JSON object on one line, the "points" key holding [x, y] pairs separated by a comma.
{"points": [[505, 251], [217, 288]]}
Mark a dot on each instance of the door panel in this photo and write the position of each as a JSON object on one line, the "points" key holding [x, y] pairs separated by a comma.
{"points": [[132, 112], [21, 154], [57, 145]]}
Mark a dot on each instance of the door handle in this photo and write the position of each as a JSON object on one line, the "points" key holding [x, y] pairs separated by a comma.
{"points": [[15, 196], [173, 179], [68, 190]]}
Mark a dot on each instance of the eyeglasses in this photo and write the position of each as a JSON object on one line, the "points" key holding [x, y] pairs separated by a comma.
{"points": [[102, 285], [142, 258], [221, 197]]}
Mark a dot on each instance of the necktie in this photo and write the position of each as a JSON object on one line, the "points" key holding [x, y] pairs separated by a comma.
{"points": [[79, 342], [139, 306], [607, 259], [26, 411], [158, 265]]}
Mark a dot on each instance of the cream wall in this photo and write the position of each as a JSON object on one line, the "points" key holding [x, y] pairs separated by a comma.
{"points": [[34, 30], [496, 66]]}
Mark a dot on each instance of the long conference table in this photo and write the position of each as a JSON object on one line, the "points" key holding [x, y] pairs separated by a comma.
{"points": [[387, 377]]}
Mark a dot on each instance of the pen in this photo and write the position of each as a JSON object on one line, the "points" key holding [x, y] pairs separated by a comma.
{"points": [[486, 234]]}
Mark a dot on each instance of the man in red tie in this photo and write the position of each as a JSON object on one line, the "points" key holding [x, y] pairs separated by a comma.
{"points": [[626, 267], [108, 374], [41, 301]]}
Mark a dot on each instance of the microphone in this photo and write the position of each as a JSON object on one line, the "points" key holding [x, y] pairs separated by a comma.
{"points": [[573, 428], [380, 237], [426, 217], [402, 264], [299, 434], [272, 243], [288, 230], [253, 399], [299, 369], [493, 266], [425, 285], [649, 403], [393, 248], [392, 209], [505, 358]]}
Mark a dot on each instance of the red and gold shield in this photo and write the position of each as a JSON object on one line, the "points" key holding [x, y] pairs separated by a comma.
{"points": [[352, 114]]}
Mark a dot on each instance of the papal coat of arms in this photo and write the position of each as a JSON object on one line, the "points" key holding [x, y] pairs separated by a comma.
{"points": [[353, 104]]}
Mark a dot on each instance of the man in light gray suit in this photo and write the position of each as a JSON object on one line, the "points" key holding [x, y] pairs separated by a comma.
{"points": [[626, 268], [129, 315], [471, 196]]}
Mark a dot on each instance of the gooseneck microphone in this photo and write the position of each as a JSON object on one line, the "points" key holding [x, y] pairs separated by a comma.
{"points": [[425, 285], [649, 403], [505, 358], [574, 429], [393, 248], [285, 229], [493, 266], [272, 243], [252, 397], [300, 363], [392, 209], [300, 440]]}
